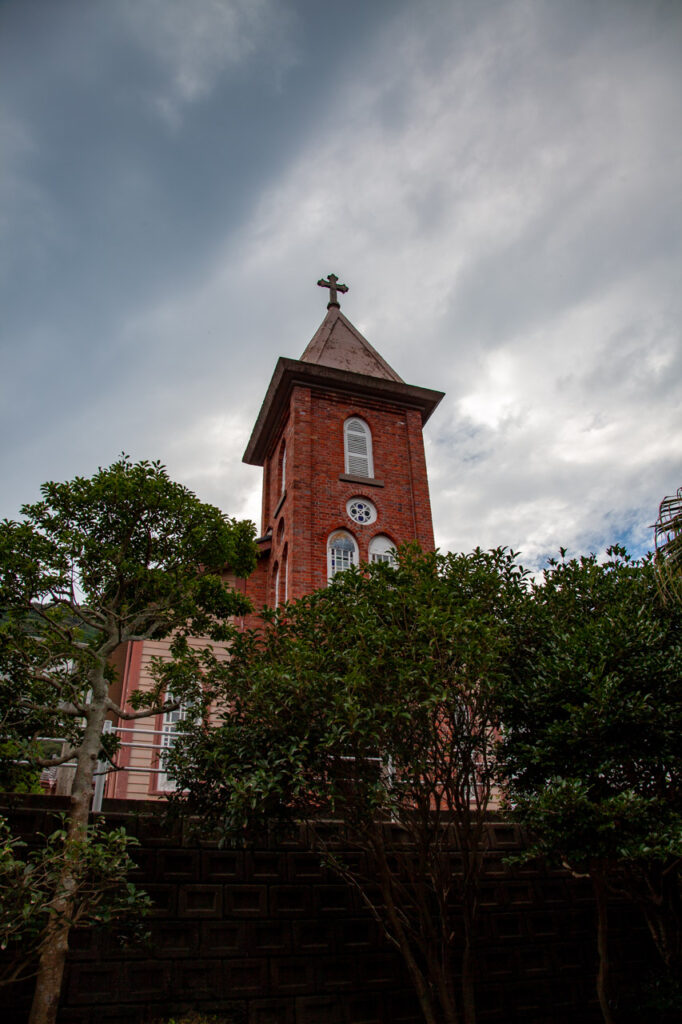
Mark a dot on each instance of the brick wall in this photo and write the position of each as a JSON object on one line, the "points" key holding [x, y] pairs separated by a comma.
{"points": [[269, 936], [315, 501]]}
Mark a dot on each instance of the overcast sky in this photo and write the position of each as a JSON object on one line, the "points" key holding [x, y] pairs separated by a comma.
{"points": [[497, 181]]}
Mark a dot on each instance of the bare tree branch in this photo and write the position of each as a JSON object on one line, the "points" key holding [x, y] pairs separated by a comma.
{"points": [[129, 716]]}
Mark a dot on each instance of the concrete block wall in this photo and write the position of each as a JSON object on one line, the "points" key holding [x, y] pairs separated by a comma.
{"points": [[267, 935]]}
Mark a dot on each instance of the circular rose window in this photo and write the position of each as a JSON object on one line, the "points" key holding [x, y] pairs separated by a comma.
{"points": [[361, 511]]}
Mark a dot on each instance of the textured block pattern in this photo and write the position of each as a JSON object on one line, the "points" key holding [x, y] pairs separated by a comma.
{"points": [[267, 936]]}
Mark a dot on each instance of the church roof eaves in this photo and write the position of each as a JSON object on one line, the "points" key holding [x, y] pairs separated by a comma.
{"points": [[289, 372]]}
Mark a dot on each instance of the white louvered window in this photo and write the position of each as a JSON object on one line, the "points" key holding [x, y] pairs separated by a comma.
{"points": [[342, 552], [382, 549], [357, 440]]}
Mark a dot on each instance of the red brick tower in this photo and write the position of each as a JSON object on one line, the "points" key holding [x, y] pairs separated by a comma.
{"points": [[339, 436]]}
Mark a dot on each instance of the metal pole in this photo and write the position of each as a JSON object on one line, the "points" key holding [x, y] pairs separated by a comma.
{"points": [[100, 778]]}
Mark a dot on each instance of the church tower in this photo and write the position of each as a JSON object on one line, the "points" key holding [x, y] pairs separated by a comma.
{"points": [[339, 437]]}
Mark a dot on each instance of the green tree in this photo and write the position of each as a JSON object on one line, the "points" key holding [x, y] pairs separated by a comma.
{"points": [[125, 555], [592, 739], [369, 711], [30, 883]]}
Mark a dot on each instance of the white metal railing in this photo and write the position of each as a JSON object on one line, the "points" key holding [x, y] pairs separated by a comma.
{"points": [[104, 767]]}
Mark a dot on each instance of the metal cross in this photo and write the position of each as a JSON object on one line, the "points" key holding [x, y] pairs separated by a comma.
{"points": [[333, 287]]}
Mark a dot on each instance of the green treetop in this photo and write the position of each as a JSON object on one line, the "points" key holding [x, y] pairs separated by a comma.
{"points": [[122, 556]]}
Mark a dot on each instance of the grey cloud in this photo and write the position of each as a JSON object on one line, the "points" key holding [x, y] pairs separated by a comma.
{"points": [[494, 180]]}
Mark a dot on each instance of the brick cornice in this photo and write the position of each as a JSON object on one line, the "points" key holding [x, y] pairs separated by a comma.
{"points": [[290, 372]]}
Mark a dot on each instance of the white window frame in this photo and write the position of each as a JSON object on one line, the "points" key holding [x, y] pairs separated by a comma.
{"points": [[169, 734], [283, 469], [357, 429], [332, 561], [382, 549]]}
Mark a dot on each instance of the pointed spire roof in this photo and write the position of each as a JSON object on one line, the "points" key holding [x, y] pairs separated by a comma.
{"points": [[339, 344], [337, 358]]}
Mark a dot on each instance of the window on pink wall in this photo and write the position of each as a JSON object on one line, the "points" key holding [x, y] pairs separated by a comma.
{"points": [[172, 723]]}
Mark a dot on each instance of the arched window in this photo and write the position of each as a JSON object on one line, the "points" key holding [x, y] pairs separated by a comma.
{"points": [[284, 575], [342, 552], [276, 585], [357, 444], [382, 549]]}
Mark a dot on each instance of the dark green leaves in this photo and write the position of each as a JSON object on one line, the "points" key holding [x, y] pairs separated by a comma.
{"points": [[592, 739], [126, 554], [367, 696], [30, 881]]}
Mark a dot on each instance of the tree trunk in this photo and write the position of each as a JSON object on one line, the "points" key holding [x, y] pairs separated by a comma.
{"points": [[419, 983], [468, 992], [599, 886], [470, 908], [446, 989], [663, 914], [55, 946]]}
